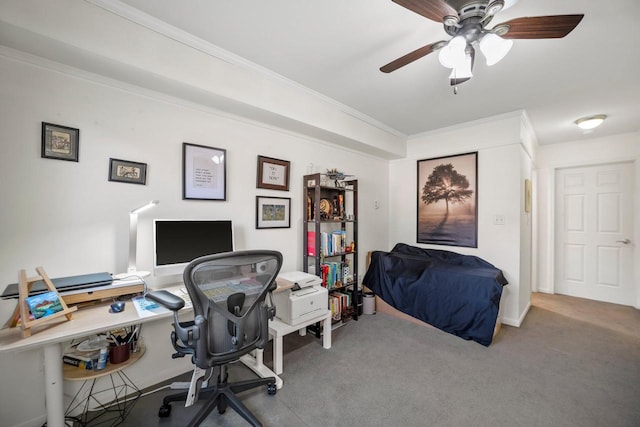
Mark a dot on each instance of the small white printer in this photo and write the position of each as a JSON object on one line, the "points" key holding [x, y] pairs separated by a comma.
{"points": [[305, 298]]}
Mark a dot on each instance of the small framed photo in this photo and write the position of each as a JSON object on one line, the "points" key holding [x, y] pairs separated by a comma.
{"points": [[204, 172], [273, 212], [127, 171], [60, 142], [273, 174]]}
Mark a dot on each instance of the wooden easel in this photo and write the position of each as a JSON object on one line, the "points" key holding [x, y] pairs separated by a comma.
{"points": [[22, 311]]}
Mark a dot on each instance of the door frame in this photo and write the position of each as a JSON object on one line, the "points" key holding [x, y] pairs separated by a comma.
{"points": [[551, 194]]}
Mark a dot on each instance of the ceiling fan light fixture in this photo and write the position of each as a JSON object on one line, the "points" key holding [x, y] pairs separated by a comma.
{"points": [[453, 54], [463, 70], [591, 122], [494, 48]]}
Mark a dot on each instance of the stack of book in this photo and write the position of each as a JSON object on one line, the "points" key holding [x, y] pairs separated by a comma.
{"points": [[331, 244], [339, 303], [80, 359]]}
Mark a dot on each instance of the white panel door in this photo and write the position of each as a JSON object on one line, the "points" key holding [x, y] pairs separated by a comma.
{"points": [[593, 227]]}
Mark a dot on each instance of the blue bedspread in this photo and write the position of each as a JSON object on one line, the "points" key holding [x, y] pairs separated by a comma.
{"points": [[459, 294]]}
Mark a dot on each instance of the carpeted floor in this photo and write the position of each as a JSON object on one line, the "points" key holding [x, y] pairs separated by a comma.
{"points": [[558, 369]]}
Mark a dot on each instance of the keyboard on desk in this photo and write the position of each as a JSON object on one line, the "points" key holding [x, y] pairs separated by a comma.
{"points": [[219, 292]]}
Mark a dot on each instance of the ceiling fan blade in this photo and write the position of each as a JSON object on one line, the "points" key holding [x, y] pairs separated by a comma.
{"points": [[410, 57], [435, 10], [539, 27]]}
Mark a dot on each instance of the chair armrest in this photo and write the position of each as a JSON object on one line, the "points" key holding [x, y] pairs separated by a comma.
{"points": [[167, 299]]}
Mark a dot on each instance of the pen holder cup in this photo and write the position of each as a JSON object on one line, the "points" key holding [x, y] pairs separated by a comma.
{"points": [[119, 353]]}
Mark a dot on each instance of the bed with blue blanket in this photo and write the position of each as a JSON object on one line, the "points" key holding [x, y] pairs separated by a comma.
{"points": [[459, 294]]}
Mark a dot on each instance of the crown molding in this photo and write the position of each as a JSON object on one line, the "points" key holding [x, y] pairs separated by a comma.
{"points": [[160, 27]]}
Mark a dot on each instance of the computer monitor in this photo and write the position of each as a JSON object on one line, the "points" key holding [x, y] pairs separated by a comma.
{"points": [[178, 242]]}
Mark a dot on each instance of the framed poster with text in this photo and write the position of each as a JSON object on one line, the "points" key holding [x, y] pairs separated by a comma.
{"points": [[273, 174], [204, 172]]}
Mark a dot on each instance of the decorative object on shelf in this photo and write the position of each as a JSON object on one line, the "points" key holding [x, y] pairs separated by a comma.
{"points": [[60, 142], [273, 174], [204, 172], [336, 176], [127, 171], [273, 212], [325, 208], [448, 200]]}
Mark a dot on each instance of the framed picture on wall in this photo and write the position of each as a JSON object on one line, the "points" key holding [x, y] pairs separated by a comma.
{"points": [[204, 172], [448, 200], [127, 171], [273, 212], [273, 174], [60, 142]]}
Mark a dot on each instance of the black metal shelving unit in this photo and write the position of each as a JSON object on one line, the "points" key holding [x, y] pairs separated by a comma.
{"points": [[332, 207]]}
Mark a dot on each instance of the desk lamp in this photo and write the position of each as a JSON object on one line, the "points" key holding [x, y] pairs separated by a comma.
{"points": [[133, 240]]}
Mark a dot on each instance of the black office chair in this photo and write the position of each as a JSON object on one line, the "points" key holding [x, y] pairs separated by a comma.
{"points": [[228, 293]]}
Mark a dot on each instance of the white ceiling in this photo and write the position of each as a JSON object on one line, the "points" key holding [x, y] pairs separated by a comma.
{"points": [[336, 47]]}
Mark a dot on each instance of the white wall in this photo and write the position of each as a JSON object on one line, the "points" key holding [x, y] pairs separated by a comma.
{"points": [[617, 148], [68, 218], [503, 163], [115, 40]]}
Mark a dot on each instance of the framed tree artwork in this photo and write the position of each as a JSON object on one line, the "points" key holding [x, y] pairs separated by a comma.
{"points": [[448, 200]]}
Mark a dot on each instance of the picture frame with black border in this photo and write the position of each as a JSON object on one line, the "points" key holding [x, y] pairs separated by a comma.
{"points": [[60, 142], [447, 200], [204, 172], [273, 212], [273, 174], [127, 171]]}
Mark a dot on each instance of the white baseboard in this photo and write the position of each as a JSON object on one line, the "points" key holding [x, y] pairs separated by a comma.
{"points": [[517, 322], [34, 422]]}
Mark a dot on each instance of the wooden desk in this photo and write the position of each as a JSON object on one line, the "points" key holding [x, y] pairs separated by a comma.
{"points": [[51, 336], [86, 321]]}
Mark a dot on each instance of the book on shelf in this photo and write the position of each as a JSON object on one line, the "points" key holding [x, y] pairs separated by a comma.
{"points": [[336, 310], [311, 243], [80, 359], [335, 274], [78, 363]]}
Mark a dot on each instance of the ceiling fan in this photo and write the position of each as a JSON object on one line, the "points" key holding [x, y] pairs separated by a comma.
{"points": [[466, 22]]}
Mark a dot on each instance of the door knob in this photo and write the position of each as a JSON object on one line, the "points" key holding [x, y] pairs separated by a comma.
{"points": [[624, 242]]}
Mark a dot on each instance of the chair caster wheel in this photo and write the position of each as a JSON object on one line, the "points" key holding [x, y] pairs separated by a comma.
{"points": [[164, 411], [271, 389]]}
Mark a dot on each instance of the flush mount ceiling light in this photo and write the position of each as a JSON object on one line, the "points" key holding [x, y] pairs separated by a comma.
{"points": [[466, 22], [591, 122]]}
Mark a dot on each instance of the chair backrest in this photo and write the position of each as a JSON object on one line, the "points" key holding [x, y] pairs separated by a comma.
{"points": [[228, 292]]}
